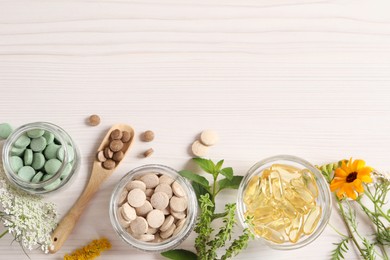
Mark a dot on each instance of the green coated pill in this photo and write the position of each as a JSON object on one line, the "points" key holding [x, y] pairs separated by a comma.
{"points": [[53, 185], [61, 153], [28, 157], [35, 133], [49, 137], [51, 151], [52, 166], [38, 161], [16, 163], [26, 173], [38, 144], [37, 177], [66, 171], [17, 151], [22, 142], [5, 130]]}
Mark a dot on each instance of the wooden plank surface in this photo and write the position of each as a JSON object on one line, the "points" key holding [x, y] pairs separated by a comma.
{"points": [[302, 77]]}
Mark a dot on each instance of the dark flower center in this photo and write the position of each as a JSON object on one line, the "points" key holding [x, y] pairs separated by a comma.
{"points": [[351, 177]]}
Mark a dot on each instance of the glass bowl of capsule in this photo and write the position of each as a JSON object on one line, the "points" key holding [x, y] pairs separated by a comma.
{"points": [[285, 202]]}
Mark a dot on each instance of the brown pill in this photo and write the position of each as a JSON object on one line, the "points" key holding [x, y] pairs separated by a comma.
{"points": [[94, 120], [109, 164], [118, 156], [125, 136], [116, 134], [148, 152], [116, 145], [100, 156], [108, 153], [147, 136]]}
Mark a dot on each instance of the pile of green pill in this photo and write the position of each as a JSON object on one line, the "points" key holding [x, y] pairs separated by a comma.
{"points": [[37, 155]]}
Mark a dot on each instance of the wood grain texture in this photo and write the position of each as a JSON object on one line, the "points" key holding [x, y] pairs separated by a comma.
{"points": [[303, 77]]}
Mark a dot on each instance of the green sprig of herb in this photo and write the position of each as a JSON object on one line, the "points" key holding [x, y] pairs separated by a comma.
{"points": [[341, 247], [206, 244]]}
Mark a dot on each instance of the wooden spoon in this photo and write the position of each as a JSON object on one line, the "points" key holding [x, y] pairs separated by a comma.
{"points": [[98, 175]]}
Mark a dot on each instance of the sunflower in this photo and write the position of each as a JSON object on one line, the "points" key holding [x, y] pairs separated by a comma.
{"points": [[349, 178]]}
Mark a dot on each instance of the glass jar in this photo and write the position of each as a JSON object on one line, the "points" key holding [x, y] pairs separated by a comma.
{"points": [[171, 242], [55, 159], [323, 199]]}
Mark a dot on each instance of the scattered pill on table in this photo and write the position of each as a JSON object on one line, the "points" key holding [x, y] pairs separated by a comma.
{"points": [[5, 130], [148, 152], [94, 120], [209, 137], [199, 149]]}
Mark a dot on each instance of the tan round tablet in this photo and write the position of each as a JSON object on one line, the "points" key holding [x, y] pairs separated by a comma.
{"points": [[167, 223], [167, 211], [126, 136], [181, 222], [108, 153], [178, 204], [168, 233], [178, 189], [116, 134], [151, 180], [152, 230], [122, 221], [136, 198], [177, 230], [144, 209], [157, 239], [116, 145], [128, 212], [166, 179], [123, 197], [109, 164], [159, 200], [155, 218], [149, 192], [163, 187], [146, 237], [179, 215], [209, 137], [198, 149], [139, 226], [136, 185]]}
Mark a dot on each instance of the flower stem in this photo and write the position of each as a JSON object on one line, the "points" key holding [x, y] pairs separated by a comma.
{"points": [[4, 233], [349, 228], [337, 231]]}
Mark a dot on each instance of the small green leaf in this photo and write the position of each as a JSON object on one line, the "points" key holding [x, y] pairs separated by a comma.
{"points": [[200, 190], [206, 165], [227, 172], [195, 178], [218, 166], [229, 184], [179, 254]]}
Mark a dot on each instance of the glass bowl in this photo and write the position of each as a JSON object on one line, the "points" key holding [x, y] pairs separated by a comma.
{"points": [[63, 151], [273, 193], [155, 246]]}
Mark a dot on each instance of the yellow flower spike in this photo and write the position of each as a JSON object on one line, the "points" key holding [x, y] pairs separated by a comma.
{"points": [[349, 178], [90, 251]]}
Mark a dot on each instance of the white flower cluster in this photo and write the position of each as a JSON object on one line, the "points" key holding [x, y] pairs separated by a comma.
{"points": [[27, 217]]}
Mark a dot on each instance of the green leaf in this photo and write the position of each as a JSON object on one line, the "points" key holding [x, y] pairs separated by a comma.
{"points": [[179, 254], [206, 165], [218, 166], [227, 172], [195, 178], [200, 190], [229, 184]]}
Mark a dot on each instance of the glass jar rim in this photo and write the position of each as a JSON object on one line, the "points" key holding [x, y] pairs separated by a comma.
{"points": [[324, 192]]}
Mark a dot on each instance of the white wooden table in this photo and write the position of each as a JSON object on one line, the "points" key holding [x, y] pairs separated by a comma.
{"points": [[304, 77]]}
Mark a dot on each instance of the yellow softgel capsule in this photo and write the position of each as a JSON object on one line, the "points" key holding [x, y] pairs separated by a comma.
{"points": [[295, 230], [312, 220], [310, 182]]}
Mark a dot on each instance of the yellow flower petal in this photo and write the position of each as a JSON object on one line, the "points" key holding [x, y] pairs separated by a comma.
{"points": [[358, 186], [357, 165], [364, 171], [340, 172], [366, 178], [340, 194], [348, 188], [336, 184]]}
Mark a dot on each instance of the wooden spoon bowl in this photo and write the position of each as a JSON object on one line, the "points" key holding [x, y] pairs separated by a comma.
{"points": [[98, 176]]}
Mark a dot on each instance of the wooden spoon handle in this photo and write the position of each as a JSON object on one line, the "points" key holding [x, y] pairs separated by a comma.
{"points": [[68, 222]]}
